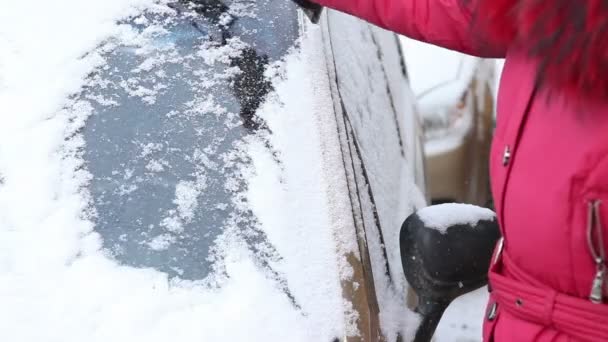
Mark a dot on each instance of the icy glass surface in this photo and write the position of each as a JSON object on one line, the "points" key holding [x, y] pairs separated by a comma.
{"points": [[164, 142]]}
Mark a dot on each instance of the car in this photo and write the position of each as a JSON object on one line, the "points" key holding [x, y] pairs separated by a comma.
{"points": [[242, 175], [455, 94]]}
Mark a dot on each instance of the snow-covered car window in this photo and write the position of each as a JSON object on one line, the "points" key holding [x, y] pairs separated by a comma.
{"points": [[171, 109], [187, 171]]}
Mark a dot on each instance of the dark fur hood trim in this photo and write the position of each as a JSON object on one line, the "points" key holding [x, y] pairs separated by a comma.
{"points": [[568, 38]]}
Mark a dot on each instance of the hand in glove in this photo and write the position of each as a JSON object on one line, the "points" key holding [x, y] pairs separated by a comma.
{"points": [[312, 10]]}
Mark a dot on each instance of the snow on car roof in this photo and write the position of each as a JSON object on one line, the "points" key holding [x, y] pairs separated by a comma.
{"points": [[59, 283]]}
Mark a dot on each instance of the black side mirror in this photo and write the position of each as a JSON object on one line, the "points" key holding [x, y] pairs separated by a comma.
{"points": [[446, 252], [313, 11]]}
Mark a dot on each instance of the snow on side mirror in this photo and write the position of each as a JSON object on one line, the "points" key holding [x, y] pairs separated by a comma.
{"points": [[445, 252]]}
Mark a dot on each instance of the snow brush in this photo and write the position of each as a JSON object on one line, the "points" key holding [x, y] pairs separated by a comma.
{"points": [[446, 252], [313, 11]]}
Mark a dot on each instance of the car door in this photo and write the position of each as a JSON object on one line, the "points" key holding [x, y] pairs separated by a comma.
{"points": [[380, 134]]}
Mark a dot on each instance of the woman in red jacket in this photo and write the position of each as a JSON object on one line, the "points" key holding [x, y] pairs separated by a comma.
{"points": [[549, 160]]}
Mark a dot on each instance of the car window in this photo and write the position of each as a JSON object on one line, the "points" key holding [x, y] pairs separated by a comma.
{"points": [[170, 112]]}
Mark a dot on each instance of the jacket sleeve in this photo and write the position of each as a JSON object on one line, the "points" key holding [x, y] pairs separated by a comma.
{"points": [[446, 23]]}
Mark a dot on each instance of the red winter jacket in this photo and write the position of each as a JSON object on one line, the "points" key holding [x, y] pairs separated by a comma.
{"points": [[549, 160]]}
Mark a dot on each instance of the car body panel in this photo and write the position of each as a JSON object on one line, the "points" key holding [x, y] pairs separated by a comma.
{"points": [[380, 131]]}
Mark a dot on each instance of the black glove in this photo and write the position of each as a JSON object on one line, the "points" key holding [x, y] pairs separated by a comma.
{"points": [[312, 10]]}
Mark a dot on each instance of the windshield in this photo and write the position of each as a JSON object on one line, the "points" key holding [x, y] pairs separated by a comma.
{"points": [[170, 112]]}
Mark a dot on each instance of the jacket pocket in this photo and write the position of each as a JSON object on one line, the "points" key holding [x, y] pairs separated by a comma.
{"points": [[597, 248], [589, 240]]}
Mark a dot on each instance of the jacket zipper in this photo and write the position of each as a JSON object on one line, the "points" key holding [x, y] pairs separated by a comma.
{"points": [[595, 241]]}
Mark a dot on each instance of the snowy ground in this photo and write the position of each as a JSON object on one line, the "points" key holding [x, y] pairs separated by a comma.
{"points": [[462, 322]]}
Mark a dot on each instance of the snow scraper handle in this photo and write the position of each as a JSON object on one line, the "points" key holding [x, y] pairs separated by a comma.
{"points": [[313, 11]]}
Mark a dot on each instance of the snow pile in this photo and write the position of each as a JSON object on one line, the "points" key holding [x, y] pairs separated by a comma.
{"points": [[463, 320], [56, 281], [305, 231], [443, 216]]}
